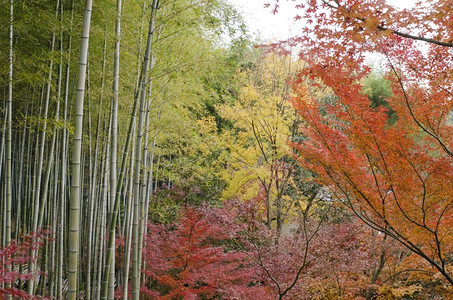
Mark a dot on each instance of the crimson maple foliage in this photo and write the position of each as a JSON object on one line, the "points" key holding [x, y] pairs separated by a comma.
{"points": [[15, 255], [396, 178], [188, 260]]}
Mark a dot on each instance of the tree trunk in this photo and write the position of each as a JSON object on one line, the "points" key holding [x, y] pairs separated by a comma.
{"points": [[138, 152], [74, 201], [128, 230], [37, 194]]}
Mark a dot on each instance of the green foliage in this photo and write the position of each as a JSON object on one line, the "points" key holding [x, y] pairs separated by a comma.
{"points": [[378, 90], [164, 211]]}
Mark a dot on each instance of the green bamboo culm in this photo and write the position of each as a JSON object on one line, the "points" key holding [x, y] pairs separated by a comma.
{"points": [[9, 107], [75, 195]]}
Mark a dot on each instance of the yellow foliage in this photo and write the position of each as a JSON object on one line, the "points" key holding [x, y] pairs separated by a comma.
{"points": [[207, 128], [395, 293], [262, 118], [264, 121]]}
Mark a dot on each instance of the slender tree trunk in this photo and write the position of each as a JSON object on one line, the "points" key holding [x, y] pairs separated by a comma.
{"points": [[98, 240], [51, 155], [29, 180], [20, 182], [2, 148], [138, 150], [61, 213], [9, 109], [144, 191], [95, 195], [38, 210], [149, 193], [104, 277], [9, 114], [128, 230], [74, 201], [99, 236], [2, 152], [55, 207], [91, 200], [52, 273], [157, 172], [112, 220], [114, 137]]}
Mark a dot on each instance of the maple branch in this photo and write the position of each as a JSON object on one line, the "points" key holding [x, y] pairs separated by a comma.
{"points": [[423, 185], [393, 31], [382, 260], [439, 250], [299, 271], [281, 190], [331, 5], [362, 194], [309, 204], [404, 271], [437, 227], [304, 261], [436, 137], [267, 189], [244, 183], [188, 255], [267, 128], [439, 120], [240, 158], [395, 234], [308, 262], [259, 261], [387, 170], [442, 214], [391, 185], [318, 131], [376, 181], [414, 37], [404, 213], [403, 240]]}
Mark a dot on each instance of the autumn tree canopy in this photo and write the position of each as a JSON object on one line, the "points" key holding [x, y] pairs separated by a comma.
{"points": [[396, 177]]}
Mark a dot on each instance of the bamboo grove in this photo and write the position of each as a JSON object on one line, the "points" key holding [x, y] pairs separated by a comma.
{"points": [[98, 103]]}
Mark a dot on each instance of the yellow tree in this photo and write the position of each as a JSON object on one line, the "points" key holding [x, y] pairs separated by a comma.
{"points": [[257, 151]]}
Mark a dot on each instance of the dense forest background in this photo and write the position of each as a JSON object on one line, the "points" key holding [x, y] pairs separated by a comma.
{"points": [[155, 149]]}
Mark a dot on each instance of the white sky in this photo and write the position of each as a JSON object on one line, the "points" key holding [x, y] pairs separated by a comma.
{"points": [[280, 26]]}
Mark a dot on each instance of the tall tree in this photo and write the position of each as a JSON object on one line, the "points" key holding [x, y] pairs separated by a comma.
{"points": [[395, 178], [9, 113], [75, 196], [138, 156], [257, 145]]}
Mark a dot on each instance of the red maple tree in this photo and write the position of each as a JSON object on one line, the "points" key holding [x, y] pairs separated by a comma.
{"points": [[396, 178], [190, 260]]}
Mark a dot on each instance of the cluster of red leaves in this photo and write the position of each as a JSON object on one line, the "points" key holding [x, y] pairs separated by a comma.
{"points": [[188, 260], [14, 255]]}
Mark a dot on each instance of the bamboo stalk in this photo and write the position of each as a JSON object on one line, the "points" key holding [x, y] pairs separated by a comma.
{"points": [[75, 196]]}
